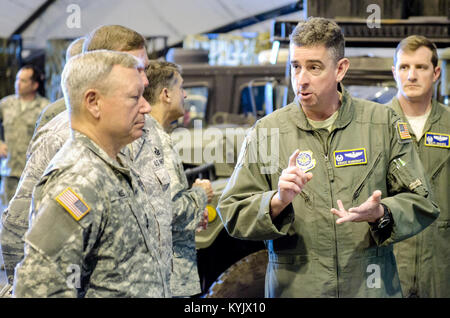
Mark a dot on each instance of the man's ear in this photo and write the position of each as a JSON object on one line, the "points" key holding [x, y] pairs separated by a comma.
{"points": [[35, 86], [437, 73], [164, 95], [92, 101], [342, 67]]}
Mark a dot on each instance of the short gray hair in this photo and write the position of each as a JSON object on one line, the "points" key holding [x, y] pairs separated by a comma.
{"points": [[320, 31], [90, 70]]}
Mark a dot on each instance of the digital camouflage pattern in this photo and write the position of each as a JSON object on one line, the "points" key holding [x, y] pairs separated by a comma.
{"points": [[18, 126], [49, 112], [309, 254], [112, 251], [423, 260], [43, 147], [189, 205], [147, 159], [144, 155]]}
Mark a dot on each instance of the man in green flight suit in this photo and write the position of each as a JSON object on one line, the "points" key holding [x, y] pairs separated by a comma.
{"points": [[424, 260], [353, 184]]}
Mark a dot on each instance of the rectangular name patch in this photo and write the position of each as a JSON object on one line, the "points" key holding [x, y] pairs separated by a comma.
{"points": [[350, 157], [437, 140], [73, 204]]}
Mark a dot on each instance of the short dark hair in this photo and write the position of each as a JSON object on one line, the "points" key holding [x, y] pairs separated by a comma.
{"points": [[37, 76], [113, 38], [413, 43], [315, 31], [160, 74]]}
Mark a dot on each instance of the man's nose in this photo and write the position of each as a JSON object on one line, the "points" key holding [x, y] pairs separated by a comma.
{"points": [[412, 74], [144, 78], [145, 106]]}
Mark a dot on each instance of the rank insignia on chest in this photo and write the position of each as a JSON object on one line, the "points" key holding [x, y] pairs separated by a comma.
{"points": [[73, 204], [305, 160], [403, 131], [437, 140], [350, 157]]}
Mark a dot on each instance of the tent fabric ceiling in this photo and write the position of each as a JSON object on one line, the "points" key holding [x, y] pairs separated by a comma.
{"points": [[172, 18]]}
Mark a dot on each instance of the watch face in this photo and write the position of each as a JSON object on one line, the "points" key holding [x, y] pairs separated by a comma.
{"points": [[383, 222]]}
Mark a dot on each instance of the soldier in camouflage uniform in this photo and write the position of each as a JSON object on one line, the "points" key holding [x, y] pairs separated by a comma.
{"points": [[59, 106], [47, 141], [18, 114], [93, 231], [166, 95]]}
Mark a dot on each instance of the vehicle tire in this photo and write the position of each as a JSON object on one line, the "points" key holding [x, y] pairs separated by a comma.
{"points": [[244, 279]]}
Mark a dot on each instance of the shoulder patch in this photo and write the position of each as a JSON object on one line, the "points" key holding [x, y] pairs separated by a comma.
{"points": [[73, 203]]}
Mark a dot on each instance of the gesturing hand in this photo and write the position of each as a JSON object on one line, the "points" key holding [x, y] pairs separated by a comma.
{"points": [[369, 211], [290, 183]]}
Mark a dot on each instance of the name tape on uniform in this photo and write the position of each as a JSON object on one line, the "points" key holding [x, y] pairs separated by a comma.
{"points": [[350, 157], [437, 140], [73, 204]]}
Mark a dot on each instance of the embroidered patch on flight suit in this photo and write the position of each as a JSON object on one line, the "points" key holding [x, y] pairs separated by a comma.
{"points": [[350, 157], [73, 204], [437, 140], [305, 160], [403, 131]]}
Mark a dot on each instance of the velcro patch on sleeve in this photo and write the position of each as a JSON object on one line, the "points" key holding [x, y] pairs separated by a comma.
{"points": [[73, 204]]}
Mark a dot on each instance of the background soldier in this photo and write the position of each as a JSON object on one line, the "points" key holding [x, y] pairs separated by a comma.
{"points": [[166, 96], [18, 114], [424, 260]]}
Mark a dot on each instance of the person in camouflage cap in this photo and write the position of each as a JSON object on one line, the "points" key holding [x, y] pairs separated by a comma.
{"points": [[90, 221], [18, 114], [166, 95]]}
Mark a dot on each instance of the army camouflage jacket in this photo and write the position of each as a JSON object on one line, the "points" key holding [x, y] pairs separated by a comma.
{"points": [[423, 260], [93, 231], [45, 144], [189, 205], [18, 126], [146, 155], [309, 254], [49, 112]]}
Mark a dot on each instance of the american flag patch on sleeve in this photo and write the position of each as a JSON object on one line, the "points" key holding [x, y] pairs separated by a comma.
{"points": [[403, 131], [73, 204]]}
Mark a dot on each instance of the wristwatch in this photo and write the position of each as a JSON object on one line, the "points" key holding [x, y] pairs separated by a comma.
{"points": [[382, 222]]}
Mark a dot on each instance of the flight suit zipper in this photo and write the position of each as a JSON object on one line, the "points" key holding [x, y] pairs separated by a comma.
{"points": [[330, 173]]}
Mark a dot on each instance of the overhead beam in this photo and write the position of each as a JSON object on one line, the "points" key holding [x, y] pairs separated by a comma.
{"points": [[36, 14]]}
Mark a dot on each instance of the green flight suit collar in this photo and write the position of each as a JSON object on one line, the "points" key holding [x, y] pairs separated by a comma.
{"points": [[434, 116], [346, 112]]}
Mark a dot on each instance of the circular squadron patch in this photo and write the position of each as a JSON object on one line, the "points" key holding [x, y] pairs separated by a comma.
{"points": [[305, 160]]}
